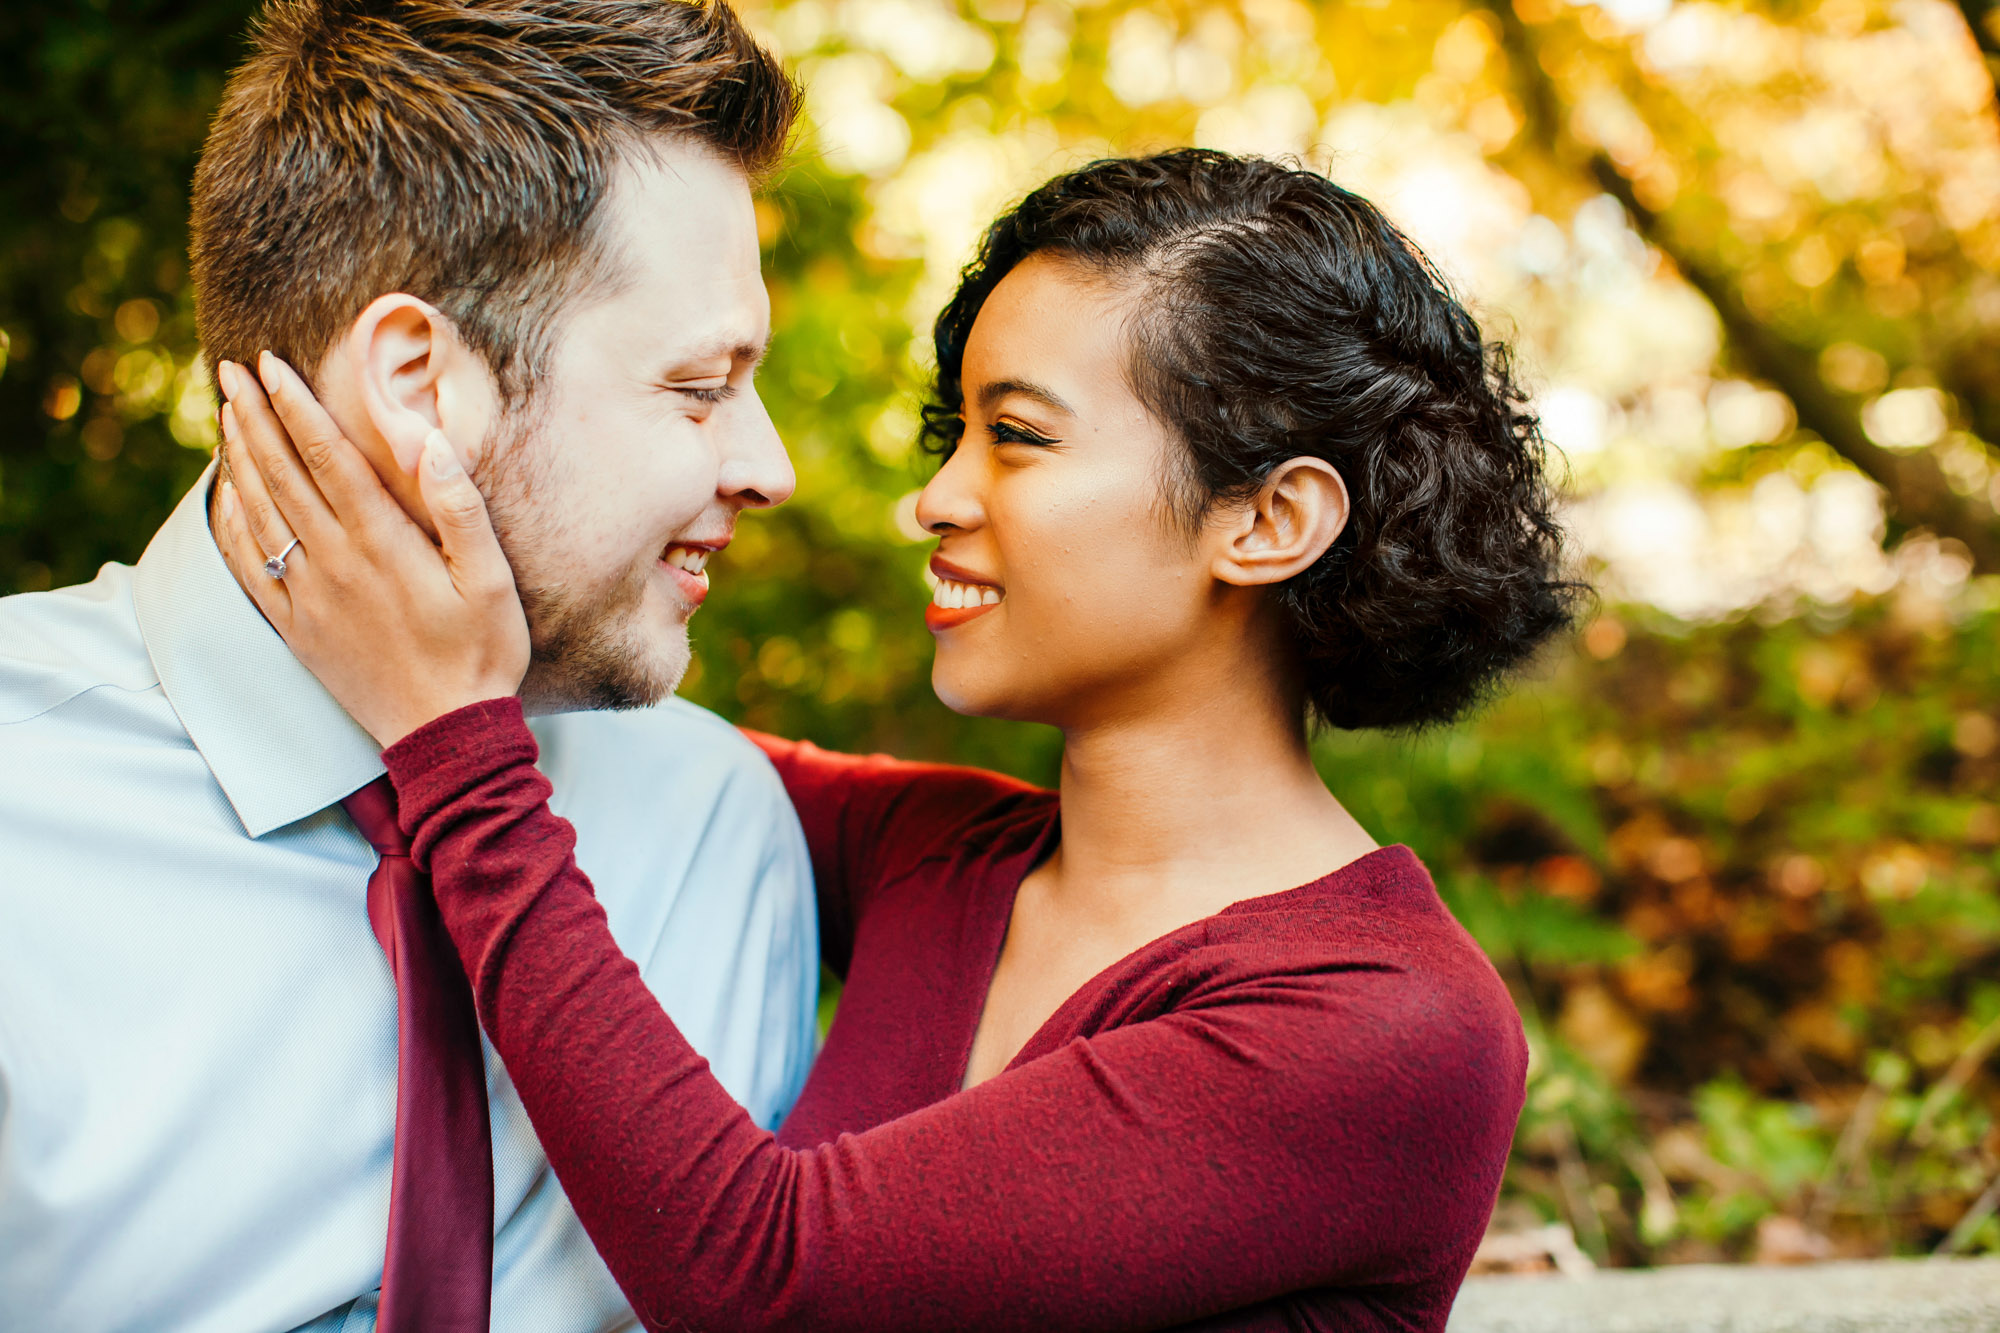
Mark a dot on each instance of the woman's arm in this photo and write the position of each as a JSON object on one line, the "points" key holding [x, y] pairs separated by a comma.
{"points": [[1251, 1144], [869, 819]]}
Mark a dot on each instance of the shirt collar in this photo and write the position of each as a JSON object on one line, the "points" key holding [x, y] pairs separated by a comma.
{"points": [[278, 744]]}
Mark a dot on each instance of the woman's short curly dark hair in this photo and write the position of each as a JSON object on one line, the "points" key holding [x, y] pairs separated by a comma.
{"points": [[1281, 316]]}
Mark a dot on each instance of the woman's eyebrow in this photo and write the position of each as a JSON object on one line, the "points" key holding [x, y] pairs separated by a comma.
{"points": [[993, 391]]}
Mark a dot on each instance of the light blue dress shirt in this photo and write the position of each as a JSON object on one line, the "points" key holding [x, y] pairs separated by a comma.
{"points": [[197, 1028]]}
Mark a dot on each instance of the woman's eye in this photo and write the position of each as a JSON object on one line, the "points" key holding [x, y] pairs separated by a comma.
{"points": [[1008, 432]]}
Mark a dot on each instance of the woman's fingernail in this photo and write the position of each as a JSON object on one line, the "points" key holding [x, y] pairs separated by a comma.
{"points": [[229, 499], [267, 371], [225, 380], [438, 456], [229, 422]]}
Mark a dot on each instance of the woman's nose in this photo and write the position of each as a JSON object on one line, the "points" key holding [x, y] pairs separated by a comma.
{"points": [[949, 502]]}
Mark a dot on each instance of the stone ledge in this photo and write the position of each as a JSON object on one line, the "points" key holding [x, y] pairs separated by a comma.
{"points": [[1880, 1296]]}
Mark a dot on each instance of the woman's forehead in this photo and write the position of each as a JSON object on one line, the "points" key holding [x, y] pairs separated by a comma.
{"points": [[1053, 326]]}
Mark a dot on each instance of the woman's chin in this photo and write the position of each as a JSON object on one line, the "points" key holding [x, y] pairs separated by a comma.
{"points": [[970, 696], [954, 695], [965, 692]]}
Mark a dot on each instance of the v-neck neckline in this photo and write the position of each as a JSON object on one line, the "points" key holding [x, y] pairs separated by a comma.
{"points": [[1030, 859]]}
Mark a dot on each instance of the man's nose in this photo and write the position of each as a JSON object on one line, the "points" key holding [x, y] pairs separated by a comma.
{"points": [[756, 471]]}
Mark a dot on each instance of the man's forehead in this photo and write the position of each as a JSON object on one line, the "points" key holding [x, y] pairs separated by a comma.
{"points": [[684, 233], [652, 331], [678, 191]]}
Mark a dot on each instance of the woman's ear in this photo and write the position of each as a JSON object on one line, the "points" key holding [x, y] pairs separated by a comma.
{"points": [[1295, 516]]}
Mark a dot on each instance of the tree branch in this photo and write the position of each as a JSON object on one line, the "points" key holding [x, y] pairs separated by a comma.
{"points": [[1915, 484], [1917, 491], [1972, 370], [1979, 17]]}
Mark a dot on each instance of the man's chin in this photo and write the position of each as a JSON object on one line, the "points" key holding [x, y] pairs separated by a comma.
{"points": [[575, 674]]}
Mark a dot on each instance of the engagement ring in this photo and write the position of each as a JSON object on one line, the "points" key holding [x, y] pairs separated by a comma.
{"points": [[275, 566]]}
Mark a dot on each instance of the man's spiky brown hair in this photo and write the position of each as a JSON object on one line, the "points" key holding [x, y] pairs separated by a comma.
{"points": [[457, 150]]}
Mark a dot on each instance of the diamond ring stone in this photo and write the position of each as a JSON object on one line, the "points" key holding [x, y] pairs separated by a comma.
{"points": [[276, 566]]}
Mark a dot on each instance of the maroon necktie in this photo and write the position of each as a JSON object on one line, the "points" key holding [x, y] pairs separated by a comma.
{"points": [[437, 1275]]}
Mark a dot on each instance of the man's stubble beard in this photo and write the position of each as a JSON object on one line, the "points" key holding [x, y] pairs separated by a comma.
{"points": [[587, 650]]}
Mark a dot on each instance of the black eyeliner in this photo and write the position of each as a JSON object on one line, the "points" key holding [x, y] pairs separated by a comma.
{"points": [[1004, 432]]}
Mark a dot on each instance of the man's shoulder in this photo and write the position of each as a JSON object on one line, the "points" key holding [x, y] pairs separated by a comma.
{"points": [[56, 646], [687, 729], [672, 745]]}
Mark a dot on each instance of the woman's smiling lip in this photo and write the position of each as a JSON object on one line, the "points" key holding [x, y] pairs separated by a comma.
{"points": [[941, 617], [945, 569], [961, 595]]}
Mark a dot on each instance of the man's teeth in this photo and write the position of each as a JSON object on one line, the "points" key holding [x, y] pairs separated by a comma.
{"points": [[958, 596], [690, 558]]}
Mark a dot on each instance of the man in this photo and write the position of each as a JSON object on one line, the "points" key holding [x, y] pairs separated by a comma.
{"points": [[525, 224]]}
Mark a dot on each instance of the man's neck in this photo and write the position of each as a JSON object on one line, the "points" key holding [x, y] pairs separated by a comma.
{"points": [[212, 507]]}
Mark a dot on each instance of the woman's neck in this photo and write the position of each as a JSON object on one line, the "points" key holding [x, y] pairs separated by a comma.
{"points": [[1183, 809]]}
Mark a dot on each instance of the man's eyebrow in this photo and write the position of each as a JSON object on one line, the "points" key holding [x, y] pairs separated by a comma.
{"points": [[750, 353], [993, 391]]}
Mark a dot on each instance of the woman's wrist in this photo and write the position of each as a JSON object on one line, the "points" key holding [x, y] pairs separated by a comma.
{"points": [[411, 713], [449, 755]]}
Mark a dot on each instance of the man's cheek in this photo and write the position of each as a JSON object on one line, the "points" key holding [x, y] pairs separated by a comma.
{"points": [[608, 545]]}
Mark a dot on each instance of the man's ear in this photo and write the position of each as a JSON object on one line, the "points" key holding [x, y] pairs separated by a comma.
{"points": [[1295, 516], [415, 376], [398, 373]]}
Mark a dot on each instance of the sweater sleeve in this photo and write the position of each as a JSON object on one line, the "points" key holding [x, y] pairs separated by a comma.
{"points": [[870, 818], [1249, 1144]]}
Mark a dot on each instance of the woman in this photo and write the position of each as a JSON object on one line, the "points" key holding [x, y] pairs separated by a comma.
{"points": [[1177, 1045]]}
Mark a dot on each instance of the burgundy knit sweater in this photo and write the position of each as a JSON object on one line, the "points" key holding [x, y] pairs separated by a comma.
{"points": [[1291, 1115]]}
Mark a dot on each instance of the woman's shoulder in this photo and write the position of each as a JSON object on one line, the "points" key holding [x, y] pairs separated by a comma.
{"points": [[906, 812], [1353, 1015], [1382, 902], [1367, 954]]}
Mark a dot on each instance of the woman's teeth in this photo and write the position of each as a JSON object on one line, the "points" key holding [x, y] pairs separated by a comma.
{"points": [[690, 558], [958, 596]]}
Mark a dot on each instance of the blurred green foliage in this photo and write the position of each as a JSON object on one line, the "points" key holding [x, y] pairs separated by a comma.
{"points": [[103, 108], [1742, 882], [1740, 878]]}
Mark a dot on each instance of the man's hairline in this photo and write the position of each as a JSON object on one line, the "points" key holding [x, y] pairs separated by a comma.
{"points": [[605, 272]]}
